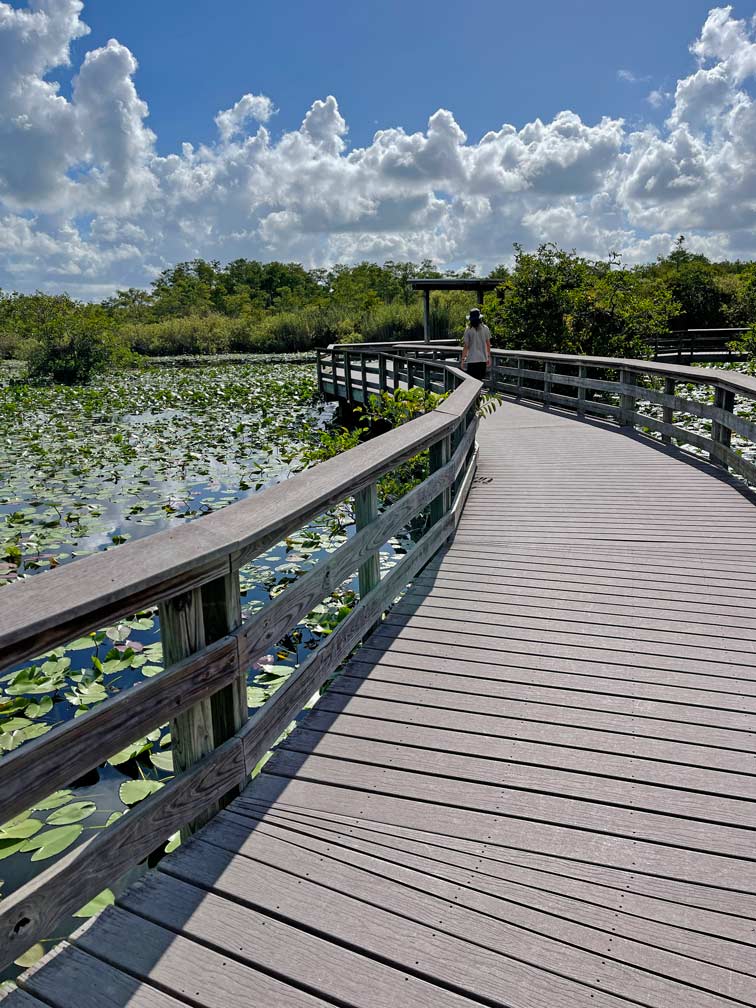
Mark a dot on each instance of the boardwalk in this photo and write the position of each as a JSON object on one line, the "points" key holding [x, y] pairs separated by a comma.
{"points": [[534, 785]]}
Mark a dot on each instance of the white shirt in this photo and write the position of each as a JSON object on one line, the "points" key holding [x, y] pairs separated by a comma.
{"points": [[475, 341]]}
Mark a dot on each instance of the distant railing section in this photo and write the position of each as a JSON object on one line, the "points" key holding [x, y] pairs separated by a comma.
{"points": [[192, 573], [701, 407], [687, 345]]}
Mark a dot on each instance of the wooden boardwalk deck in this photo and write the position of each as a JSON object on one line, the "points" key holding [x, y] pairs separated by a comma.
{"points": [[535, 785]]}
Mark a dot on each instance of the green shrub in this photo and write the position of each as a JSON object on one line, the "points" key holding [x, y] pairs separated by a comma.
{"points": [[72, 344]]}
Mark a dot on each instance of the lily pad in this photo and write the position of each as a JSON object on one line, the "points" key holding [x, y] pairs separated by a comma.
{"points": [[131, 792], [75, 812], [102, 900], [52, 841]]}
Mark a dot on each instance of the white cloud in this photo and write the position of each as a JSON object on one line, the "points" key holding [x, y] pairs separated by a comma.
{"points": [[87, 204], [250, 107], [631, 78]]}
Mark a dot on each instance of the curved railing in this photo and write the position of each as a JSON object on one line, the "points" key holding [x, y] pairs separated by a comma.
{"points": [[191, 572], [645, 395], [704, 408]]}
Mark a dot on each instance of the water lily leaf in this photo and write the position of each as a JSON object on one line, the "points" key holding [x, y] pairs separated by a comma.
{"points": [[52, 841], [113, 817], [20, 828], [55, 800], [102, 900], [131, 792], [163, 761], [30, 957], [82, 644], [174, 841], [72, 813], [35, 710]]}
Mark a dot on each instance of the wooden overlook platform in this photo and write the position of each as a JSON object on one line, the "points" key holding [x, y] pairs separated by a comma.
{"points": [[533, 785]]}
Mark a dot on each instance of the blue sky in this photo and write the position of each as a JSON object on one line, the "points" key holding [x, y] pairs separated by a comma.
{"points": [[139, 134], [392, 63]]}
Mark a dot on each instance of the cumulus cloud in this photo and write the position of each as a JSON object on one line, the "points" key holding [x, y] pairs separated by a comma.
{"points": [[87, 203], [250, 107]]}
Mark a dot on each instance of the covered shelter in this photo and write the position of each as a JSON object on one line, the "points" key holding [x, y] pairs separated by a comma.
{"points": [[428, 284]]}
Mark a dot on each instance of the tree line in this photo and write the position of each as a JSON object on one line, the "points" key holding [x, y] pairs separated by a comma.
{"points": [[549, 299]]}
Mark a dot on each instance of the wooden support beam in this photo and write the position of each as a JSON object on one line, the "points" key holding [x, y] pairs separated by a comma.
{"points": [[182, 631], [627, 402], [366, 512], [426, 316], [668, 414]]}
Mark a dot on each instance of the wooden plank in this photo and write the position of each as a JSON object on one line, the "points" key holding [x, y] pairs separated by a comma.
{"points": [[398, 932], [675, 628], [735, 694], [69, 978], [295, 955], [684, 928], [54, 760], [548, 752], [532, 806], [552, 692], [696, 907], [735, 644], [495, 626], [529, 776], [429, 901], [32, 912], [182, 968], [19, 999], [556, 595], [649, 724], [579, 736], [500, 829], [583, 928]]}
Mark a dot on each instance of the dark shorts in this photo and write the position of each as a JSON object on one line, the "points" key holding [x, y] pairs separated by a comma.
{"points": [[477, 370]]}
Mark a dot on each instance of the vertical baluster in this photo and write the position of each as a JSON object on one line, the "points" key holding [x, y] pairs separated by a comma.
{"points": [[363, 376], [347, 376], [365, 512], [721, 434], [382, 382], [439, 455], [582, 374], [627, 400], [548, 370], [188, 622], [668, 413]]}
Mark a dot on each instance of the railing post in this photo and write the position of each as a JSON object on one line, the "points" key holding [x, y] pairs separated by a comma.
{"points": [[627, 400], [188, 623], [520, 368], [582, 373], [720, 433], [548, 370], [347, 376], [182, 631], [410, 373], [396, 371], [221, 613], [382, 383], [363, 376], [668, 413], [365, 512], [439, 455]]}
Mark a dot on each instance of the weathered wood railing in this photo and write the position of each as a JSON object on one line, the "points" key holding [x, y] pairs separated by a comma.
{"points": [[192, 572], [647, 397]]}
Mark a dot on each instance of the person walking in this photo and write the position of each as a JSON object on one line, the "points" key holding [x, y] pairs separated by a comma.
{"points": [[476, 353]]}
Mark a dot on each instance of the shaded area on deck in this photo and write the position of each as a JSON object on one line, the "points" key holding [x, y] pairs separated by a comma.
{"points": [[533, 785]]}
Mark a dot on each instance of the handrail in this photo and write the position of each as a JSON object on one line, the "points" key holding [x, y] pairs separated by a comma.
{"points": [[192, 573], [564, 380]]}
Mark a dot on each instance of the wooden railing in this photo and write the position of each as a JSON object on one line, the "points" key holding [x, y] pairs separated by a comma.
{"points": [[192, 573], [642, 394], [685, 345]]}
